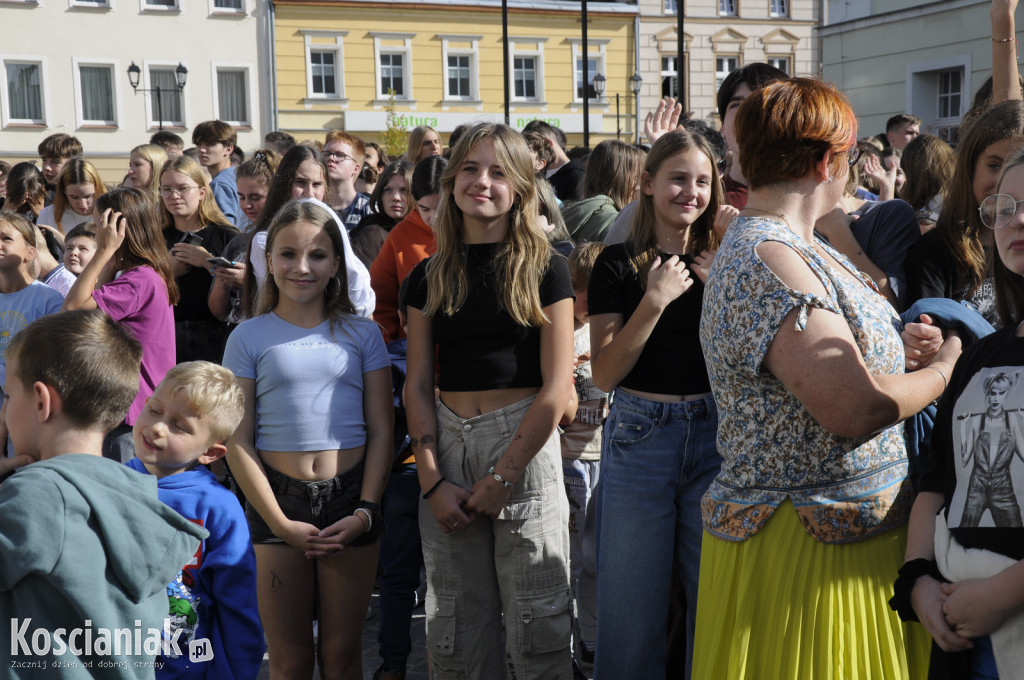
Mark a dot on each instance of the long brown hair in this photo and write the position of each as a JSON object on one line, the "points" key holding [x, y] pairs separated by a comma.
{"points": [[928, 162], [209, 213], [523, 257], [959, 225], [613, 170], [642, 241], [143, 242]]}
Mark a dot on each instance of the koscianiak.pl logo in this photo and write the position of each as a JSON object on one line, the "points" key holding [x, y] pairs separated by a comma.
{"points": [[103, 647]]}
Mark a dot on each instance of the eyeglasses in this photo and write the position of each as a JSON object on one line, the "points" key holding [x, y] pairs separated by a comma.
{"points": [[337, 156], [998, 210], [854, 155], [183, 191]]}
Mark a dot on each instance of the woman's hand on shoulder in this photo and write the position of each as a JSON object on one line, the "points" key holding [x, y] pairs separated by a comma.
{"points": [[928, 600], [667, 280], [723, 218], [702, 264], [448, 502], [334, 538]]}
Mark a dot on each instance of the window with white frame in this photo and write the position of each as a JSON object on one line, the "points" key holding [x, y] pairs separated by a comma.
{"points": [[233, 95], [669, 77], [458, 77], [96, 94], [595, 65], [393, 54], [324, 72], [24, 100], [781, 63], [160, 4], [461, 77], [950, 93], [91, 4], [727, 8], [723, 67], [392, 74], [779, 9], [165, 104], [671, 7], [229, 5], [324, 64], [527, 69]]}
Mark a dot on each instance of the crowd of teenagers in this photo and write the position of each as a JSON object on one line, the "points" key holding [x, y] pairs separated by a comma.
{"points": [[739, 404]]}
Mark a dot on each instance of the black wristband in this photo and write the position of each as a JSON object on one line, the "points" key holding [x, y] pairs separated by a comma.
{"points": [[904, 585], [432, 489]]}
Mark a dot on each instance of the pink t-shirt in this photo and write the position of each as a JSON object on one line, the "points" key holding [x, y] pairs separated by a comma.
{"points": [[138, 299]]}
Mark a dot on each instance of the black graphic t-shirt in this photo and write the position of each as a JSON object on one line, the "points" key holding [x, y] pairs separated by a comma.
{"points": [[977, 458]]}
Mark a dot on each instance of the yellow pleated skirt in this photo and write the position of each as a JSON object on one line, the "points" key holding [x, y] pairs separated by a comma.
{"points": [[783, 606]]}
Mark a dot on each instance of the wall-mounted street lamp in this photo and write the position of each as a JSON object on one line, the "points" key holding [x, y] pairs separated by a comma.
{"points": [[180, 76], [635, 81]]}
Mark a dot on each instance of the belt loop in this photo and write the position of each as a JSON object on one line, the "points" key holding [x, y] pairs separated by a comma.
{"points": [[666, 410]]}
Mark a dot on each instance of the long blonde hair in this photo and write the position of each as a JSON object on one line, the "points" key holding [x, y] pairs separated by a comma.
{"points": [[521, 259], [75, 171], [209, 213], [156, 156], [642, 241]]}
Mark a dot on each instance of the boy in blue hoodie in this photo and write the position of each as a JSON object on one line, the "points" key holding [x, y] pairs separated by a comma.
{"points": [[183, 427], [86, 548]]}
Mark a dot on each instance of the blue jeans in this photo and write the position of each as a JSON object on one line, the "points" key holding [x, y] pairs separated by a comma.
{"points": [[657, 461], [581, 482], [983, 660], [400, 561]]}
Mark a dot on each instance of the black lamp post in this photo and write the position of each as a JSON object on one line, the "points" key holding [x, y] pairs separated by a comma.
{"points": [[635, 81], [599, 84], [180, 76]]}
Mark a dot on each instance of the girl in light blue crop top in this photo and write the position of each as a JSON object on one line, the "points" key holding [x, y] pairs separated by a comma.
{"points": [[314, 449]]}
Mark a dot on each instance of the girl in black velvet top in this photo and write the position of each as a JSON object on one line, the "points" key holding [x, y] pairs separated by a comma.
{"points": [[496, 302]]}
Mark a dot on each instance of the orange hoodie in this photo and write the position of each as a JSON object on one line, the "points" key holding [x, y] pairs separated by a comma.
{"points": [[408, 244]]}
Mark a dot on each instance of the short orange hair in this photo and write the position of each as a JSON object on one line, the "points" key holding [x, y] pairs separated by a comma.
{"points": [[358, 147], [787, 127]]}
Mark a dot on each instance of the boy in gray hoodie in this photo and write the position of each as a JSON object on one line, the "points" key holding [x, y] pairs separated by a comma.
{"points": [[86, 548]]}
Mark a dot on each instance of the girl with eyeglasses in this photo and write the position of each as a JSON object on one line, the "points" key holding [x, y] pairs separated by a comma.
{"points": [[194, 230], [964, 577]]}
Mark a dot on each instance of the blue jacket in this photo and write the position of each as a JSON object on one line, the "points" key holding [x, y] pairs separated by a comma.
{"points": [[214, 595], [225, 193], [947, 314]]}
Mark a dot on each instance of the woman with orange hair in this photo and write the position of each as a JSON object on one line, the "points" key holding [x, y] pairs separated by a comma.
{"points": [[805, 526]]}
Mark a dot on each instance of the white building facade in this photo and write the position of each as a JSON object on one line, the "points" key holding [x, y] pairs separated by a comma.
{"points": [[65, 65], [895, 56], [720, 36]]}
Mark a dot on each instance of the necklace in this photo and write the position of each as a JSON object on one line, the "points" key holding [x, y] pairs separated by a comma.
{"points": [[773, 214]]}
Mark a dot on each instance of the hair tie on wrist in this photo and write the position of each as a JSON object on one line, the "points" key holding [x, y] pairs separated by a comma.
{"points": [[432, 489]]}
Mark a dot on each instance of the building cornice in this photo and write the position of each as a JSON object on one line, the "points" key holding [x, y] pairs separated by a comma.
{"points": [[514, 6]]}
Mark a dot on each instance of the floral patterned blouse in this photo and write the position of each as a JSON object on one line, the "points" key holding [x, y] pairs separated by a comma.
{"points": [[843, 489]]}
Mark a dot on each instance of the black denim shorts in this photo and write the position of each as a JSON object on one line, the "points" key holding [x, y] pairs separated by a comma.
{"points": [[318, 503]]}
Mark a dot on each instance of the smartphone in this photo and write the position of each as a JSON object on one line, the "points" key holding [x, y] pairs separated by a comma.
{"points": [[219, 261], [191, 239]]}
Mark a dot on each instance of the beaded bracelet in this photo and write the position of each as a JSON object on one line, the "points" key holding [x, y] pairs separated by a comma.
{"points": [[498, 477], [368, 515]]}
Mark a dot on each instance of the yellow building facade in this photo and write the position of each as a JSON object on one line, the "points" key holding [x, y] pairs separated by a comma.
{"points": [[337, 60]]}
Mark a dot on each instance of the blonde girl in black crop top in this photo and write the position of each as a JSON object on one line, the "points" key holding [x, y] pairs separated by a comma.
{"points": [[487, 222]]}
